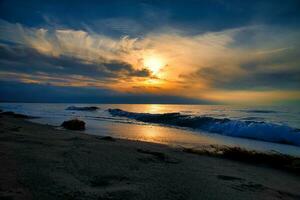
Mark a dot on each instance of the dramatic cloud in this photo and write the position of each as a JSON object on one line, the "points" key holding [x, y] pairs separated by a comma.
{"points": [[22, 92], [24, 59], [258, 60]]}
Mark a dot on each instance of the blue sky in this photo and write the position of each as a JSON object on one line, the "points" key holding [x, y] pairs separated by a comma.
{"points": [[150, 51], [192, 16]]}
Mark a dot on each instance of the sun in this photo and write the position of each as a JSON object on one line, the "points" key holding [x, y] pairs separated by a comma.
{"points": [[154, 64]]}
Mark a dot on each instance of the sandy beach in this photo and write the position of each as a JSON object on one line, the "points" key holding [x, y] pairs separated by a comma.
{"points": [[45, 162]]}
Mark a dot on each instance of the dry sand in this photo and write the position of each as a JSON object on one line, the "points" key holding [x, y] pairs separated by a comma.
{"points": [[42, 162]]}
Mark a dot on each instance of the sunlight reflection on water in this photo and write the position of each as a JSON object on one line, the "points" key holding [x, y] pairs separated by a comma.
{"points": [[100, 122]]}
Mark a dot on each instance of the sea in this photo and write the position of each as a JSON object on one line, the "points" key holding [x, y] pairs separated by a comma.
{"points": [[262, 128]]}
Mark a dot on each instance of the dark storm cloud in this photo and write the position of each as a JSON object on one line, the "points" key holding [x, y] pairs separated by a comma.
{"points": [[22, 92], [23, 59], [252, 79]]}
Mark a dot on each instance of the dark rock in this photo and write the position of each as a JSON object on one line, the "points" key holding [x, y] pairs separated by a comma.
{"points": [[74, 124], [15, 115], [89, 108]]}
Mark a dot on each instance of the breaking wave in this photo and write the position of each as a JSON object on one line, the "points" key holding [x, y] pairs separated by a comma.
{"points": [[247, 129]]}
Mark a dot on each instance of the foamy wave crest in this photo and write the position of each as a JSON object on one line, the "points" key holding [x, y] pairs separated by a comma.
{"points": [[236, 128]]}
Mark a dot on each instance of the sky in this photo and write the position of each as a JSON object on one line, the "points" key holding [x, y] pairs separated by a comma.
{"points": [[158, 51]]}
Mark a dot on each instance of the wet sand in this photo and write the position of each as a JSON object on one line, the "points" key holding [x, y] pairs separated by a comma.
{"points": [[43, 162]]}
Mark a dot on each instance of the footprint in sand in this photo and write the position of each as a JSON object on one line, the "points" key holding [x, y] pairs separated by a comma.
{"points": [[109, 180], [242, 185], [155, 156], [115, 187], [107, 138], [229, 178], [15, 129]]}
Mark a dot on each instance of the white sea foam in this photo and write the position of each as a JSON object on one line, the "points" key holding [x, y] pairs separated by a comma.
{"points": [[237, 128]]}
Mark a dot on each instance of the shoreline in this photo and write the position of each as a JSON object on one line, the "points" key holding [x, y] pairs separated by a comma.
{"points": [[174, 135], [62, 164]]}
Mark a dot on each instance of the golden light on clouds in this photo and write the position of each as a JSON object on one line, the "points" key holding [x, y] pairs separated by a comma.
{"points": [[211, 65]]}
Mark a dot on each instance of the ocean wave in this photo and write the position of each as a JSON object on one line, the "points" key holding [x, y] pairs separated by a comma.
{"points": [[260, 111], [253, 118], [237, 128]]}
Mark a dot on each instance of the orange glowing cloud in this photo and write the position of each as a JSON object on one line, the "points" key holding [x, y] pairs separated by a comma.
{"points": [[211, 65]]}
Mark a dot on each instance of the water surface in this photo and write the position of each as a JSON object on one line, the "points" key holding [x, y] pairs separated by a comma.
{"points": [[102, 122]]}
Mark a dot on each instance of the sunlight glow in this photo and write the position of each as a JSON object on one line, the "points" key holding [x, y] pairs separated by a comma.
{"points": [[154, 63]]}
